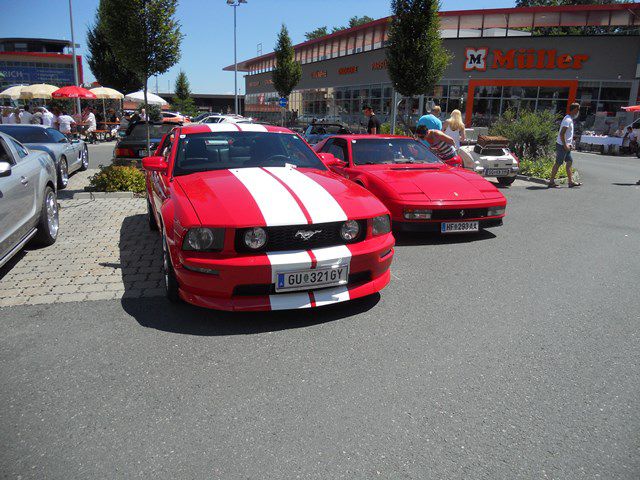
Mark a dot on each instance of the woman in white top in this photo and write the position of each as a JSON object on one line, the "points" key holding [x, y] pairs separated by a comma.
{"points": [[454, 127]]}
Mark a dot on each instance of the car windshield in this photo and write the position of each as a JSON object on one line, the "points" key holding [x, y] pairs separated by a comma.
{"points": [[139, 131], [378, 151], [27, 134], [201, 152]]}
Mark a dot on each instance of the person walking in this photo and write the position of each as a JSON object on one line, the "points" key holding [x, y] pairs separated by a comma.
{"points": [[564, 145], [454, 127], [26, 116], [373, 127]]}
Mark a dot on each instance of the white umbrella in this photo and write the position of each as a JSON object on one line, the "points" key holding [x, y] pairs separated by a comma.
{"points": [[138, 97], [39, 90], [107, 93], [12, 92]]}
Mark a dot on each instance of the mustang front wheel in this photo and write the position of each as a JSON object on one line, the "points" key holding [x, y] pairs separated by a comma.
{"points": [[170, 281]]}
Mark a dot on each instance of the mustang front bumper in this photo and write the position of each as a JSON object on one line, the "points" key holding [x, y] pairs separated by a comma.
{"points": [[247, 282]]}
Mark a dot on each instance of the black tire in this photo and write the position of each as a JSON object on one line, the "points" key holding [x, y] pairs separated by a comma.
{"points": [[153, 225], [506, 181], [48, 232], [170, 281], [63, 173], [85, 159]]}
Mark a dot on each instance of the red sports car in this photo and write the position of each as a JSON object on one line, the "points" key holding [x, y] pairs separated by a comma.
{"points": [[421, 192], [251, 219]]}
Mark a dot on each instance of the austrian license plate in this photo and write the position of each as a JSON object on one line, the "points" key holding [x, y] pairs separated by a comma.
{"points": [[459, 227], [311, 279], [496, 172], [142, 153]]}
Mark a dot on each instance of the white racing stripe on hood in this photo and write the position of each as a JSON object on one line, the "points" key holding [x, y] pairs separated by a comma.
{"points": [[277, 205], [251, 127], [320, 204]]}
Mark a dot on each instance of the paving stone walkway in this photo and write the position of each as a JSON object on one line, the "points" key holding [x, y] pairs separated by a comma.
{"points": [[105, 250]]}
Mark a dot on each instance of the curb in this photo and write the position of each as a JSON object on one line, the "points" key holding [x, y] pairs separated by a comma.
{"points": [[101, 195], [540, 181]]}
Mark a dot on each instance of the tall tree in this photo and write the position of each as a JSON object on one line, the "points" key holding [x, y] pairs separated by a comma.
{"points": [[102, 61], [357, 21], [415, 54], [288, 72], [145, 37], [182, 101], [317, 33]]}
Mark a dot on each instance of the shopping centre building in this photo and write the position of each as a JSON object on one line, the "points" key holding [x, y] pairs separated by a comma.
{"points": [[500, 59]]}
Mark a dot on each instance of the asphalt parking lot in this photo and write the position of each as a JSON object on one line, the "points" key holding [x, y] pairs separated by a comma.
{"points": [[509, 354]]}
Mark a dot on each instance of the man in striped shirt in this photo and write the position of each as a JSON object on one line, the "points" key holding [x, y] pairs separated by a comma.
{"points": [[442, 145]]}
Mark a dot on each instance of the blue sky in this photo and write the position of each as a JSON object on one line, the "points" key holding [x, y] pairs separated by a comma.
{"points": [[208, 29]]}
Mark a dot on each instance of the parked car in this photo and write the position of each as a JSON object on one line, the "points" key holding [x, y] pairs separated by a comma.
{"points": [[421, 192], [68, 155], [217, 118], [133, 145], [251, 219], [173, 117], [28, 205], [317, 132], [491, 157]]}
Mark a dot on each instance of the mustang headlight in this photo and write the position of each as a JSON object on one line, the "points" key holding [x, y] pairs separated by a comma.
{"points": [[204, 239], [381, 225], [417, 214], [255, 238], [349, 230], [495, 211]]}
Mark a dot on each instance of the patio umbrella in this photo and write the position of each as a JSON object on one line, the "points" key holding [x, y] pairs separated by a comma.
{"points": [[634, 108], [138, 97], [12, 92], [73, 92], [39, 90], [105, 93]]}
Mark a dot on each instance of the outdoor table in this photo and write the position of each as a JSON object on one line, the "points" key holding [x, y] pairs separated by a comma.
{"points": [[605, 142]]}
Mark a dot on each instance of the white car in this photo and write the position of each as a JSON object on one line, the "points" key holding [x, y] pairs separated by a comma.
{"points": [[226, 119], [491, 157]]}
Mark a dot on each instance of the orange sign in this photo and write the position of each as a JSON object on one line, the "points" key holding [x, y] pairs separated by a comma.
{"points": [[481, 59], [319, 74], [381, 65], [348, 70]]}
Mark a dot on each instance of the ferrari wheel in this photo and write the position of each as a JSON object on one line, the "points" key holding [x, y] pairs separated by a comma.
{"points": [[170, 281], [506, 181]]}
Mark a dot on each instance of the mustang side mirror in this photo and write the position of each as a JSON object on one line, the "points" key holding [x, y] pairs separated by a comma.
{"points": [[5, 169], [155, 164], [330, 161]]}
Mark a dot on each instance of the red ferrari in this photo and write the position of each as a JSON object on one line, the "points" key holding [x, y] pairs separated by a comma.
{"points": [[252, 219], [421, 192]]}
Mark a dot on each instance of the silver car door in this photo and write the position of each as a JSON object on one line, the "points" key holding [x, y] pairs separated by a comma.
{"points": [[17, 195]]}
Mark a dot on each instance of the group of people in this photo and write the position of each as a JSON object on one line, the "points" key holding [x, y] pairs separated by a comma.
{"points": [[443, 139]]}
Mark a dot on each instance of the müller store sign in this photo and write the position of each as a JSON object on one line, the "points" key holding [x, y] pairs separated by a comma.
{"points": [[483, 59]]}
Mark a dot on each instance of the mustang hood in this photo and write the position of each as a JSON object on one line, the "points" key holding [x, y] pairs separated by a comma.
{"points": [[275, 196], [438, 184]]}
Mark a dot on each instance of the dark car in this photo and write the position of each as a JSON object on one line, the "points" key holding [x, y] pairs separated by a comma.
{"points": [[133, 146], [316, 132]]}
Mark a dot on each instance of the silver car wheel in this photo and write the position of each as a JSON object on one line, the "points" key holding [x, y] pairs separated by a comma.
{"points": [[85, 158], [51, 204], [64, 172]]}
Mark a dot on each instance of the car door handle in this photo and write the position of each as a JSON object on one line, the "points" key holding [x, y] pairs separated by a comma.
{"points": [[24, 181]]}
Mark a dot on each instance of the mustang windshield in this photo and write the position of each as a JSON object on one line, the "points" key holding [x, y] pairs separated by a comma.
{"points": [[201, 152], [378, 151]]}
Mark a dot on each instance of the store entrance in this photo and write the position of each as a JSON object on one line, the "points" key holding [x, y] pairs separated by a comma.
{"points": [[487, 100]]}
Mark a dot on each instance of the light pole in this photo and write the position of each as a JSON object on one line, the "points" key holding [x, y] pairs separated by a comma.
{"points": [[73, 52], [235, 4]]}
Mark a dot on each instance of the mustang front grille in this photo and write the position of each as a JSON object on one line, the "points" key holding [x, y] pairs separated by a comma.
{"points": [[293, 237]]}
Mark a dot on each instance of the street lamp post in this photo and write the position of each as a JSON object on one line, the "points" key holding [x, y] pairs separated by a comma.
{"points": [[235, 4], [73, 51]]}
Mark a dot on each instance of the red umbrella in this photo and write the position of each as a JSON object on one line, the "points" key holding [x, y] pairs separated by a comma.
{"points": [[635, 108], [73, 92]]}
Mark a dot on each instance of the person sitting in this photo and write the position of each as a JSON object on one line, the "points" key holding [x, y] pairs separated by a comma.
{"points": [[92, 125], [454, 127], [65, 121]]}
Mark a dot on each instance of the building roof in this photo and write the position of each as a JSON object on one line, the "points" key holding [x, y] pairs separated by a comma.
{"points": [[455, 21], [37, 40]]}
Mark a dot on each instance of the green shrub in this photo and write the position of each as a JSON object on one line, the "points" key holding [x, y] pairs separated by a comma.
{"points": [[531, 134], [115, 178], [385, 129], [541, 168]]}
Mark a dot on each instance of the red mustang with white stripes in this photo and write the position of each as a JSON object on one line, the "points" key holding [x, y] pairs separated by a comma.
{"points": [[252, 219]]}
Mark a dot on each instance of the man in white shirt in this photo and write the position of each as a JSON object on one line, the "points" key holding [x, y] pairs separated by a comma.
{"points": [[47, 117], [26, 116], [65, 121], [14, 117], [564, 145]]}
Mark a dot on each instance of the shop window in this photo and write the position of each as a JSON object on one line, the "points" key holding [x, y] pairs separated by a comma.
{"points": [[616, 92], [521, 92], [554, 92], [376, 92]]}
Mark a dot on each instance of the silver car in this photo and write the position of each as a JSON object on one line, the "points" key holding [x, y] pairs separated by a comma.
{"points": [[28, 201], [68, 155]]}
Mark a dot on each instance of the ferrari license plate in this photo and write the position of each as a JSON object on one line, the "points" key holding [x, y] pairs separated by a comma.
{"points": [[459, 227], [496, 172], [311, 279]]}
